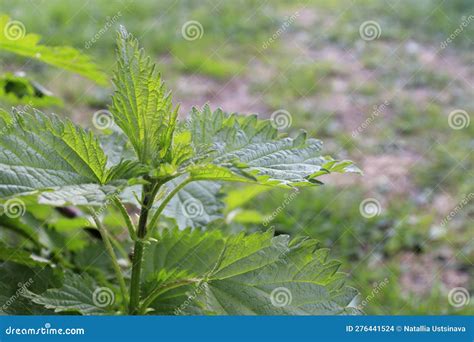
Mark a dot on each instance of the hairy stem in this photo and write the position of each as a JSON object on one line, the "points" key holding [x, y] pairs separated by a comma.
{"points": [[135, 281], [148, 195], [113, 257]]}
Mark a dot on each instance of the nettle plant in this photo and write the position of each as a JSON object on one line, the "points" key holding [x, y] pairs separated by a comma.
{"points": [[151, 186]]}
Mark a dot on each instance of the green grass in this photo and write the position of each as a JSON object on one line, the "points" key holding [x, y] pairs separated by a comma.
{"points": [[294, 80], [430, 21], [414, 119]]}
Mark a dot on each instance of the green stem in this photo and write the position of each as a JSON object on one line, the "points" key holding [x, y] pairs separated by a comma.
{"points": [[148, 195], [113, 257], [165, 202], [135, 281]]}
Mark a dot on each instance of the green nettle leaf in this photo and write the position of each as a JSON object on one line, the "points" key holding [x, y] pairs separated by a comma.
{"points": [[256, 149], [43, 154], [78, 293], [243, 274], [142, 106], [13, 38]]}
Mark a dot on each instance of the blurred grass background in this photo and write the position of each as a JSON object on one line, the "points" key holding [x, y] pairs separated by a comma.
{"points": [[331, 81]]}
